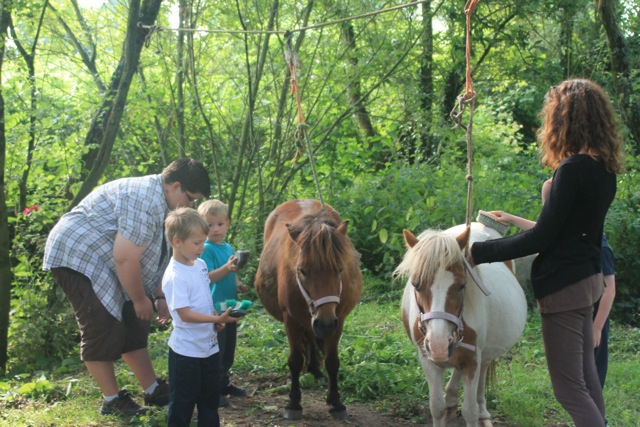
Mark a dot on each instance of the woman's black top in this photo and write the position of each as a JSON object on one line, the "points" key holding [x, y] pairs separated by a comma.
{"points": [[568, 233]]}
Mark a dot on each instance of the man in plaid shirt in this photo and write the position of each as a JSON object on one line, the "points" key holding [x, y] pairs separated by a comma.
{"points": [[108, 254]]}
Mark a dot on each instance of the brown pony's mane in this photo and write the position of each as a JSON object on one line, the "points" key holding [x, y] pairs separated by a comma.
{"points": [[320, 241], [434, 252]]}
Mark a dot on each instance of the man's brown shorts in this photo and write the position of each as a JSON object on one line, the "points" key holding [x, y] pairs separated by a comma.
{"points": [[103, 337]]}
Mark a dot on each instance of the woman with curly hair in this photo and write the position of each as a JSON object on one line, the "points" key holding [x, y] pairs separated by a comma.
{"points": [[579, 140]]}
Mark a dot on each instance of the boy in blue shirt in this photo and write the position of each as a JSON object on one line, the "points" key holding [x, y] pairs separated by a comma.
{"points": [[221, 262]]}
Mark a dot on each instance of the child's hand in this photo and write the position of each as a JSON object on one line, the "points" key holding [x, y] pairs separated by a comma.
{"points": [[231, 265], [227, 318], [220, 326], [242, 288]]}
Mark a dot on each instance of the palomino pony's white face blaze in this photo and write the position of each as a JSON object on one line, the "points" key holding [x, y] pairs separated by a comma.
{"points": [[443, 294]]}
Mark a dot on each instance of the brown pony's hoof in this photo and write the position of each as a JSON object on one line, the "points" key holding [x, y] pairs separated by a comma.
{"points": [[339, 415], [293, 414]]}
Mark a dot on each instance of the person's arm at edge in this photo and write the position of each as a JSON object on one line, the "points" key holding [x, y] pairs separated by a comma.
{"points": [[606, 302], [521, 223]]}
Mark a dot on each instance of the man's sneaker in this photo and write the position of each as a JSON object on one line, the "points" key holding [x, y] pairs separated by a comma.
{"points": [[223, 401], [124, 406], [160, 396], [233, 390]]}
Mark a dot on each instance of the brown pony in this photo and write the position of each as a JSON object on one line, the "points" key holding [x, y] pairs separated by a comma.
{"points": [[309, 278]]}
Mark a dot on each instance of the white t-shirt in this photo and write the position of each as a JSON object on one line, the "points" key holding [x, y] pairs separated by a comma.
{"points": [[188, 286]]}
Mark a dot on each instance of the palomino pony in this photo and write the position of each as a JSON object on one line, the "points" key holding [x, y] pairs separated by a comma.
{"points": [[309, 278], [456, 322]]}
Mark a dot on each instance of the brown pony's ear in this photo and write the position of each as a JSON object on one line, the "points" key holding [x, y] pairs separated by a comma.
{"points": [[463, 237], [294, 232], [342, 228], [409, 238]]}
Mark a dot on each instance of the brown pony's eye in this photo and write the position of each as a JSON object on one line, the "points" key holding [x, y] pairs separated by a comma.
{"points": [[462, 286], [301, 271]]}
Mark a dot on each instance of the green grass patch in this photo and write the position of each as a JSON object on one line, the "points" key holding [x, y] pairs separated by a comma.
{"points": [[379, 367]]}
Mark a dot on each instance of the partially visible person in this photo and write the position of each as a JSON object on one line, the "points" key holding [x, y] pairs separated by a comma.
{"points": [[108, 255], [194, 358], [579, 139], [602, 307], [225, 285]]}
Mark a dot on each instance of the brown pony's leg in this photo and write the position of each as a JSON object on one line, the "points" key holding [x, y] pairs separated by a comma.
{"points": [[332, 364], [293, 410]]}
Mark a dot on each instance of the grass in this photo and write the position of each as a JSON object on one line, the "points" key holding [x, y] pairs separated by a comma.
{"points": [[379, 367]]}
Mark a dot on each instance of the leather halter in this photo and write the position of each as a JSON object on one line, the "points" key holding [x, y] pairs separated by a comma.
{"points": [[313, 305], [456, 320]]}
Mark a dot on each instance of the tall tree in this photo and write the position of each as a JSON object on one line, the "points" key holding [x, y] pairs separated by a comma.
{"points": [[106, 121], [29, 56], [629, 108], [6, 275]]}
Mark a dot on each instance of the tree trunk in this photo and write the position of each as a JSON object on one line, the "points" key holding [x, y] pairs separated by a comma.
{"points": [[29, 59], [354, 92], [106, 122], [629, 108], [6, 275], [184, 12], [253, 83]]}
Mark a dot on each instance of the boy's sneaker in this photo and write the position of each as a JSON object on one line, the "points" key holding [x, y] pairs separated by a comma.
{"points": [[233, 390], [160, 396], [124, 406]]}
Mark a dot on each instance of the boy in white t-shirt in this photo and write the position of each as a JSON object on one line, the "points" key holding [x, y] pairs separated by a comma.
{"points": [[194, 364]]}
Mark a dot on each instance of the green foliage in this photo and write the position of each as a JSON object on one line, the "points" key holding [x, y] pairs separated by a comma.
{"points": [[379, 367], [623, 234]]}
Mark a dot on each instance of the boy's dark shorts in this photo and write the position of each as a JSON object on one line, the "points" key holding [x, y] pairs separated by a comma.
{"points": [[103, 337]]}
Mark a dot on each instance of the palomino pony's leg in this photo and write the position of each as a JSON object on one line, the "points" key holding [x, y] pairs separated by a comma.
{"points": [[332, 364], [470, 380], [484, 415], [293, 410], [437, 404], [451, 393]]}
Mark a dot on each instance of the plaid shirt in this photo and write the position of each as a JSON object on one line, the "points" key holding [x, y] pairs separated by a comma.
{"points": [[83, 239]]}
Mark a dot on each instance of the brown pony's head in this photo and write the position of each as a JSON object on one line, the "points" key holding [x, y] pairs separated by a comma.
{"points": [[435, 268], [323, 250]]}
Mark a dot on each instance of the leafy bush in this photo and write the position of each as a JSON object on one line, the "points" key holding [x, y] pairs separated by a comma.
{"points": [[623, 232]]}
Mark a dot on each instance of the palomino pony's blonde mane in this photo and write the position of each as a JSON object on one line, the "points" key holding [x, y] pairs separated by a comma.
{"points": [[435, 252], [320, 241]]}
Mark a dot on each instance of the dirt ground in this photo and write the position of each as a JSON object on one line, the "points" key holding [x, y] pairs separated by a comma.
{"points": [[267, 397]]}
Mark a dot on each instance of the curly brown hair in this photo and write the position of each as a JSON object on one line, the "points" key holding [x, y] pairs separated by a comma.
{"points": [[577, 117]]}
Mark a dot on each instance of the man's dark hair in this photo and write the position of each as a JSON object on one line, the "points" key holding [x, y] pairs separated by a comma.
{"points": [[190, 173]]}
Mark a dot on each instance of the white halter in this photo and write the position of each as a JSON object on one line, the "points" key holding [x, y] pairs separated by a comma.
{"points": [[313, 305]]}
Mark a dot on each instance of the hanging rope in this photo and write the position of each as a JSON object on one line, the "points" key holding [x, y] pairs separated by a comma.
{"points": [[301, 134], [467, 99]]}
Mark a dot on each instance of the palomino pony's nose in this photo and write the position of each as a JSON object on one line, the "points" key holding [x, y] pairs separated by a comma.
{"points": [[325, 322], [439, 346]]}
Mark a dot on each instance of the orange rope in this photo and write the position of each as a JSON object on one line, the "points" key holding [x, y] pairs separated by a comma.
{"points": [[469, 9]]}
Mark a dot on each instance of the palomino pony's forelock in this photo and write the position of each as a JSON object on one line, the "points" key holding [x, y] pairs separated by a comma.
{"points": [[320, 241], [435, 252]]}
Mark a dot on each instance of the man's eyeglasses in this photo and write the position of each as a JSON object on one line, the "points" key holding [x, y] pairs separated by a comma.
{"points": [[190, 200]]}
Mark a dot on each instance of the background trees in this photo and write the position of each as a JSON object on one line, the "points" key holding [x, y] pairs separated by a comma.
{"points": [[98, 90]]}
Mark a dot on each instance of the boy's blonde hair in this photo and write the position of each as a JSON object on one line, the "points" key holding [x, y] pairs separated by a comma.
{"points": [[182, 223], [213, 207]]}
